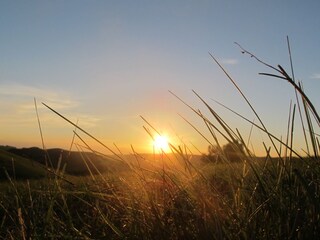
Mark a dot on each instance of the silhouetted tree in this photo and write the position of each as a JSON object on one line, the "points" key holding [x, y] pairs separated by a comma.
{"points": [[232, 152]]}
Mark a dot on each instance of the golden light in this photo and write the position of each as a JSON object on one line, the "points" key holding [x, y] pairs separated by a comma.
{"points": [[161, 143]]}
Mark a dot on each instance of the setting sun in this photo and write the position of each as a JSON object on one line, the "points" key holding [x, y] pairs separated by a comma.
{"points": [[161, 143]]}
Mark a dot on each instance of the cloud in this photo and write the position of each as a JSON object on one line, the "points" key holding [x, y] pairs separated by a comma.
{"points": [[315, 76], [57, 104], [17, 105], [87, 121], [17, 92], [15, 89], [229, 61]]}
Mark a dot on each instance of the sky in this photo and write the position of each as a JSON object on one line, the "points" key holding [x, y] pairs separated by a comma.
{"points": [[106, 63]]}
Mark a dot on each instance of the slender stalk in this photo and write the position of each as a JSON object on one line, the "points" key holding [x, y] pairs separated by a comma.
{"points": [[246, 99], [46, 155], [297, 98], [262, 129], [82, 130]]}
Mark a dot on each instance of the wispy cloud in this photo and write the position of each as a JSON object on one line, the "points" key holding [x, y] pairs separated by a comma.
{"points": [[315, 76], [229, 61], [18, 109], [19, 91], [57, 104], [17, 106]]}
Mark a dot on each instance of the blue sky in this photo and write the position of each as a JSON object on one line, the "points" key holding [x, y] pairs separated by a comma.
{"points": [[107, 62]]}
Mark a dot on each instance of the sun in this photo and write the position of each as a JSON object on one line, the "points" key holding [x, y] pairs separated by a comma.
{"points": [[161, 144]]}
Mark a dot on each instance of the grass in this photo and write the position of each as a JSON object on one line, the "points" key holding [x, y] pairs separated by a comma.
{"points": [[180, 195]]}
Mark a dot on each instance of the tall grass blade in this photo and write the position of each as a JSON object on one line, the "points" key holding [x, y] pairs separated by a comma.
{"points": [[82, 130], [46, 155], [246, 100], [262, 129], [297, 98], [288, 130], [310, 126], [292, 130]]}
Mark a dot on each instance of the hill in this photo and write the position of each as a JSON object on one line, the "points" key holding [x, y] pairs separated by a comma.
{"points": [[19, 167], [75, 163]]}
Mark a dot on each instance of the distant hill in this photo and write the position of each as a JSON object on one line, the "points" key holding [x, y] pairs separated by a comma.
{"points": [[32, 161], [19, 167], [76, 163], [6, 147]]}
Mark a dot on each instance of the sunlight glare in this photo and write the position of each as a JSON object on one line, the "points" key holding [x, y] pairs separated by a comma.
{"points": [[161, 143]]}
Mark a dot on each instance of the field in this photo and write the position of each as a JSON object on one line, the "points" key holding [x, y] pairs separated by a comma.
{"points": [[226, 194], [177, 199]]}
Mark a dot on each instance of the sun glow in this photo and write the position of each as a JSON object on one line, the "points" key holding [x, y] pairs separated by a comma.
{"points": [[161, 143]]}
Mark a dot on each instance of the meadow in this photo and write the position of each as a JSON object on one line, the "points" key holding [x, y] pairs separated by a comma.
{"points": [[227, 193]]}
